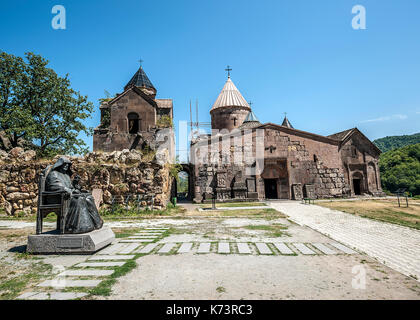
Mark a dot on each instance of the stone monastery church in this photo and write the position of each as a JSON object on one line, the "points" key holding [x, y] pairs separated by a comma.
{"points": [[245, 159]]}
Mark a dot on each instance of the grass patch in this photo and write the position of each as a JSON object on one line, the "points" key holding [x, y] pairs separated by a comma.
{"points": [[105, 287], [11, 288], [272, 230], [386, 210], [121, 212], [220, 289]]}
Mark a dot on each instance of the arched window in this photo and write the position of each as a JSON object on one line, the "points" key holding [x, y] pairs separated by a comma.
{"points": [[133, 122]]}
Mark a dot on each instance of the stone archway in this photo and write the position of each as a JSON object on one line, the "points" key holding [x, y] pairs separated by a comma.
{"points": [[276, 182], [189, 176], [358, 183]]}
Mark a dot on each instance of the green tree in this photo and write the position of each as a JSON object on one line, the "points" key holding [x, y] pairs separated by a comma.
{"points": [[40, 107], [400, 168]]}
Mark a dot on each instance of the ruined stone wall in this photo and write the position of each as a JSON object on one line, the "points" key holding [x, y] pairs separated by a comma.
{"points": [[117, 174]]}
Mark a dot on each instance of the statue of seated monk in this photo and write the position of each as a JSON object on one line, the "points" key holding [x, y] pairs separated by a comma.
{"points": [[82, 215]]}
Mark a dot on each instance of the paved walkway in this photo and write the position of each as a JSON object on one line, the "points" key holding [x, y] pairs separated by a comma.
{"points": [[396, 246]]}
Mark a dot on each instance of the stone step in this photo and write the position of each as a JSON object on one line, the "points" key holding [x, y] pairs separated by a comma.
{"points": [[263, 248], [204, 247], [343, 248], [147, 249], [185, 247], [101, 264], [131, 247], [137, 240], [66, 283], [283, 248], [166, 248], [112, 257], [324, 249], [86, 273], [142, 237], [113, 248], [52, 295], [243, 248], [223, 247], [303, 249]]}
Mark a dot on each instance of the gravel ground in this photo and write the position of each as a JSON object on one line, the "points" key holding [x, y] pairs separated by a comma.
{"points": [[215, 276]]}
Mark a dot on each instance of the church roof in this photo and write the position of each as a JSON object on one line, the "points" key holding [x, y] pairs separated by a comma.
{"points": [[250, 121], [230, 97], [286, 123], [341, 135], [141, 80]]}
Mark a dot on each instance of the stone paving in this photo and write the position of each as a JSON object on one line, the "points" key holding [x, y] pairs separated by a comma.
{"points": [[115, 255], [396, 246]]}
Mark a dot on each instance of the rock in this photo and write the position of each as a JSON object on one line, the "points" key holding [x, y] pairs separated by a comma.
{"points": [[133, 157], [28, 155], [8, 208], [16, 152], [12, 189], [107, 197], [14, 196], [4, 176], [3, 154]]}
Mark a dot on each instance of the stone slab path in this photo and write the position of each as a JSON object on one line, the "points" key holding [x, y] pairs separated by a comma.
{"points": [[223, 247], [396, 246]]}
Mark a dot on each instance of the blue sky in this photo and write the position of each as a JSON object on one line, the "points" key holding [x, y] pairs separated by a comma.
{"points": [[297, 56]]}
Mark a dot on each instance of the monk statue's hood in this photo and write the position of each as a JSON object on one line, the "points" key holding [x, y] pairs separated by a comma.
{"points": [[60, 162]]}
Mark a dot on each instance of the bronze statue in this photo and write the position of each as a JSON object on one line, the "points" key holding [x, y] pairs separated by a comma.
{"points": [[82, 214]]}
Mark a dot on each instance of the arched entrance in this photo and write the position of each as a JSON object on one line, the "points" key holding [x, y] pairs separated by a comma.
{"points": [[358, 183], [276, 185], [184, 186]]}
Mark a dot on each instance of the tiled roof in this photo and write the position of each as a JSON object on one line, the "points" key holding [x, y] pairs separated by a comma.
{"points": [[230, 97], [164, 103], [286, 123], [250, 121], [340, 135], [141, 80]]}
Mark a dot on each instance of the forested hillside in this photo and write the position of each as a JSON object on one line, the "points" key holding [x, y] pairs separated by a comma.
{"points": [[393, 142], [400, 168]]}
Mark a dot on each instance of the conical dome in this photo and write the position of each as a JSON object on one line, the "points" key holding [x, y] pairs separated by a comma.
{"points": [[230, 97], [286, 123], [141, 81], [250, 121]]}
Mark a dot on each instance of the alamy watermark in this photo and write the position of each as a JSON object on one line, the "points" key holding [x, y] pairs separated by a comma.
{"points": [[358, 281], [59, 20], [359, 20]]}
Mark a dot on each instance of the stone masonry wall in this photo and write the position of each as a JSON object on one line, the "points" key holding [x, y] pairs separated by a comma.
{"points": [[117, 174]]}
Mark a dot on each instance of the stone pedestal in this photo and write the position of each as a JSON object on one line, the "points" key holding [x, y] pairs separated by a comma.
{"points": [[54, 243]]}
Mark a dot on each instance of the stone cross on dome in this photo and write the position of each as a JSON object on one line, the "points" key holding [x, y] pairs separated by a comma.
{"points": [[228, 69]]}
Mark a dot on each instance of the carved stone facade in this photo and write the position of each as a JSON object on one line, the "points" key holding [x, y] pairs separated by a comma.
{"points": [[260, 161]]}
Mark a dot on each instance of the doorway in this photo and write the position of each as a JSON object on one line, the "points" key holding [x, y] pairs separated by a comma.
{"points": [[182, 186], [270, 186], [356, 187]]}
